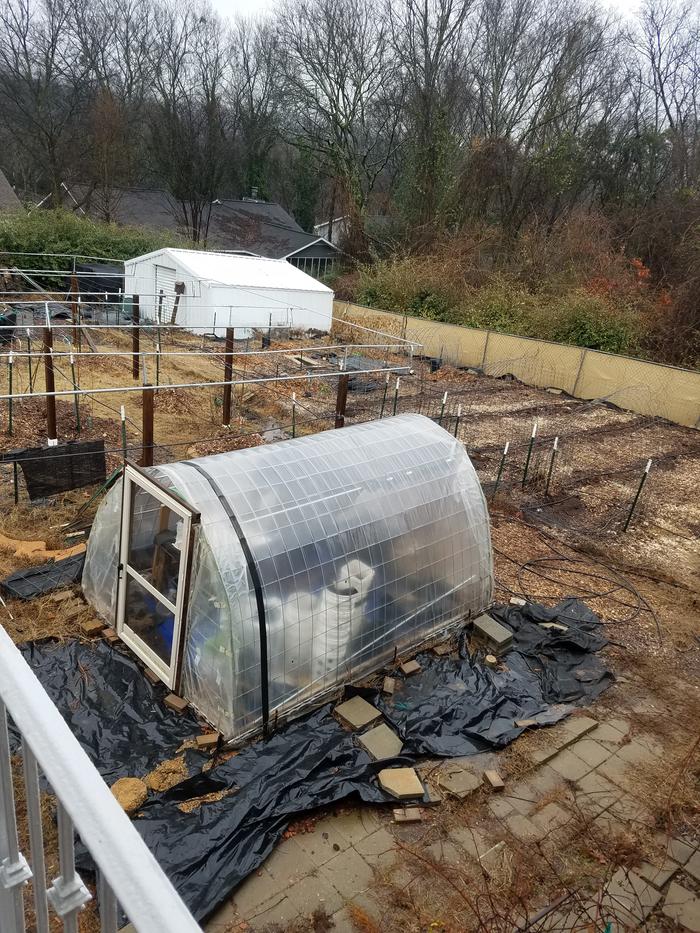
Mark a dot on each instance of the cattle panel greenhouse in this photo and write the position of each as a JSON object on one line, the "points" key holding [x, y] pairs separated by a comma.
{"points": [[255, 581]]}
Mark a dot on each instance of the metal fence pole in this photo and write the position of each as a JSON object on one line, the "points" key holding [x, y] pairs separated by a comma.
{"points": [[637, 495]]}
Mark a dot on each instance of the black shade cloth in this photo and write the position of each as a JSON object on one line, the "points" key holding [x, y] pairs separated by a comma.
{"points": [[50, 470], [36, 581], [100, 277], [454, 707]]}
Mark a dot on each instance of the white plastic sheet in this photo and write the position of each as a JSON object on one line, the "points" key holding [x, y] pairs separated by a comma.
{"points": [[367, 540]]}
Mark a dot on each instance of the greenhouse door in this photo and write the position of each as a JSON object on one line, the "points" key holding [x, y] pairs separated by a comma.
{"points": [[154, 564]]}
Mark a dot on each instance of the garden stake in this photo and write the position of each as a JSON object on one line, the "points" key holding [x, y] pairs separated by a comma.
{"points": [[459, 415], [76, 403], [500, 469], [529, 453], [638, 494], [386, 389], [15, 481], [29, 360], [396, 393], [122, 412], [442, 409], [10, 361], [294, 414], [555, 448]]}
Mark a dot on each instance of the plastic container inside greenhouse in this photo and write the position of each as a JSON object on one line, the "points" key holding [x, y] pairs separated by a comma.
{"points": [[257, 581]]}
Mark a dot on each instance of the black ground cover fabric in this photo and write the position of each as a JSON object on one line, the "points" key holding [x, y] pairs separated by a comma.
{"points": [[50, 470], [36, 581], [454, 707]]}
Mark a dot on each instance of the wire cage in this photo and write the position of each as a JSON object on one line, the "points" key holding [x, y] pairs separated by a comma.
{"points": [[256, 581]]}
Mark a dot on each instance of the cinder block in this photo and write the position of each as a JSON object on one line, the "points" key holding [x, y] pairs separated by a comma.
{"points": [[490, 632]]}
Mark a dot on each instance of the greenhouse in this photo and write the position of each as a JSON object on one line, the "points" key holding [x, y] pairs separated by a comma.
{"points": [[256, 581]]}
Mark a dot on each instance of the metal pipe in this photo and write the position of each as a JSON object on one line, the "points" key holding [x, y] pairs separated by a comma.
{"points": [[396, 393], [637, 495], [214, 353], [442, 408], [500, 469], [205, 385], [555, 448]]}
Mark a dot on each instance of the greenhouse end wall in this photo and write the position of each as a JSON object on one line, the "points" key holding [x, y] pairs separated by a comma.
{"points": [[362, 543]]}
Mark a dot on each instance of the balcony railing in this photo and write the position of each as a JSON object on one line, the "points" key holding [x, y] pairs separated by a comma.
{"points": [[128, 875]]}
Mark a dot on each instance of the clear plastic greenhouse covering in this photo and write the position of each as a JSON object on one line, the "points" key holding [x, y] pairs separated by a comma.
{"points": [[316, 560]]}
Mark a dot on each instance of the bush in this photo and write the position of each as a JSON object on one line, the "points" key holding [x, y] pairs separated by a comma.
{"points": [[586, 321], [59, 231]]}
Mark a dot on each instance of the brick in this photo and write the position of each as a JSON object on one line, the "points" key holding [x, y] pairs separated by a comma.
{"points": [[442, 650], [494, 780], [401, 782], [683, 907], [92, 627], [409, 667], [151, 676], [176, 703], [389, 686], [381, 743], [208, 741], [110, 635], [408, 815], [569, 765], [357, 713]]}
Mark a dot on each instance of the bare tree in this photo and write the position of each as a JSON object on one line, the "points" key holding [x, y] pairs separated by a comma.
{"points": [[45, 84], [341, 78]]}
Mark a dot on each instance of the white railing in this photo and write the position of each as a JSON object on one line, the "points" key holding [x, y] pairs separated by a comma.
{"points": [[128, 874]]}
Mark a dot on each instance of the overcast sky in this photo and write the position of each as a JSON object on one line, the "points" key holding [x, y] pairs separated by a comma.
{"points": [[251, 7]]}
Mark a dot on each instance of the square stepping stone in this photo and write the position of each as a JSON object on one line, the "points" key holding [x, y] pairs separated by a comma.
{"points": [[357, 713], [683, 907], [409, 667], [381, 742], [628, 897], [459, 782], [403, 783]]}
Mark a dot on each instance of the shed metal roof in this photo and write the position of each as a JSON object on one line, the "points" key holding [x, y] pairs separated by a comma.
{"points": [[236, 270]]}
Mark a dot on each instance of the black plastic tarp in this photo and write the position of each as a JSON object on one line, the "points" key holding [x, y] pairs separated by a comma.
{"points": [[454, 707], [36, 581]]}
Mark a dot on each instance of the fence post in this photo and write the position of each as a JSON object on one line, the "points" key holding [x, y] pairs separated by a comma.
{"points": [[74, 307], [135, 335], [228, 373], [147, 425], [10, 362], [578, 374], [50, 388], [486, 346], [341, 400], [76, 400]]}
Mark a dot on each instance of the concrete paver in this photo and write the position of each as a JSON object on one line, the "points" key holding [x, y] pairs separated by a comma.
{"points": [[314, 892], [595, 793], [357, 713], [628, 897], [570, 766], [403, 783], [637, 753], [459, 782], [288, 862], [683, 907], [323, 844], [258, 893], [692, 866], [381, 742], [523, 828], [376, 844], [590, 752], [471, 840], [659, 872], [679, 850], [349, 873], [617, 770], [282, 914], [354, 825], [550, 818]]}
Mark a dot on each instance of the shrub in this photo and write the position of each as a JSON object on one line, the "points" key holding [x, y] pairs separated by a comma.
{"points": [[61, 231]]}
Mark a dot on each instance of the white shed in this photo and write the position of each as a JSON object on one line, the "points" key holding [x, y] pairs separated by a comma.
{"points": [[207, 292]]}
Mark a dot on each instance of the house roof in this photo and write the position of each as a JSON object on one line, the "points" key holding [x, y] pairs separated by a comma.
{"points": [[263, 228], [236, 270], [8, 199]]}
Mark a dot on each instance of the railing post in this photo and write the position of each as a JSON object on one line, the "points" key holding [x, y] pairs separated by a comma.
{"points": [[147, 425], [135, 335], [50, 388], [228, 373], [36, 839], [67, 894], [14, 870], [341, 400]]}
